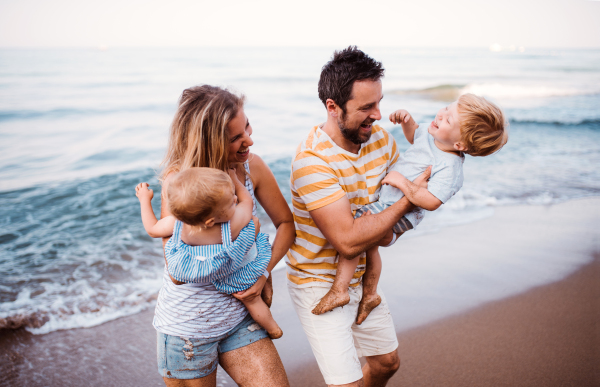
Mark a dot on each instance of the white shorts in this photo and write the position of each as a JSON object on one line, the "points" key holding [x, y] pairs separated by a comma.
{"points": [[336, 340]]}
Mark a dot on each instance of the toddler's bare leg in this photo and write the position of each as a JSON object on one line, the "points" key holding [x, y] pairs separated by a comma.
{"points": [[338, 294], [370, 299], [261, 313]]}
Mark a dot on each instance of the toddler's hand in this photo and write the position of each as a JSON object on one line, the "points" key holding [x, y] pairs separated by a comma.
{"points": [[394, 179], [143, 192], [400, 117]]}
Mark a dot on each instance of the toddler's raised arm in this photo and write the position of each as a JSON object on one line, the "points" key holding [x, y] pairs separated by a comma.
{"points": [[409, 125], [243, 210], [155, 228], [418, 196]]}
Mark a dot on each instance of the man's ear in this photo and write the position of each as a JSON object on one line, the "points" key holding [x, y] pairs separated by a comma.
{"points": [[332, 107], [460, 146], [209, 222]]}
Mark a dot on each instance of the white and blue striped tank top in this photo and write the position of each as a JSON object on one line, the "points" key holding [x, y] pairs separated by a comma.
{"points": [[198, 310]]}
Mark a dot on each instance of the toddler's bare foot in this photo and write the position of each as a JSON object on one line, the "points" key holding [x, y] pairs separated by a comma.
{"points": [[276, 333], [331, 300], [366, 305]]}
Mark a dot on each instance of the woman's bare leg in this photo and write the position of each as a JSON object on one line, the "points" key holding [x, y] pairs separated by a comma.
{"points": [[370, 299], [261, 313], [255, 365], [338, 294], [207, 381]]}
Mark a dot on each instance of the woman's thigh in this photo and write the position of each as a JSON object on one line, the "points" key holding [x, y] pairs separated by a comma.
{"points": [[187, 361], [256, 364]]}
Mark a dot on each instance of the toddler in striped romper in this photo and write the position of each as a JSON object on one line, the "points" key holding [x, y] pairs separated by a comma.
{"points": [[210, 210], [470, 125]]}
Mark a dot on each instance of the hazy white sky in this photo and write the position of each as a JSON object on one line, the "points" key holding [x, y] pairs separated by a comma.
{"points": [[91, 23]]}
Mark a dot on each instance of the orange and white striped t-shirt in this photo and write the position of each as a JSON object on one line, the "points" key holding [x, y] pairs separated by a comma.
{"points": [[322, 173]]}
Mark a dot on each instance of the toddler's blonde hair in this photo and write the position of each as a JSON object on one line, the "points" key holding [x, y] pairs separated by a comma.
{"points": [[195, 193], [483, 128]]}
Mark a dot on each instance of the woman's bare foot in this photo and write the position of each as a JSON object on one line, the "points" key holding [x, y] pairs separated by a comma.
{"points": [[275, 334], [332, 300], [366, 305]]}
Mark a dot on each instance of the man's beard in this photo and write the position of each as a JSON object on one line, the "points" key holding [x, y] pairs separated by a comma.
{"points": [[354, 134]]}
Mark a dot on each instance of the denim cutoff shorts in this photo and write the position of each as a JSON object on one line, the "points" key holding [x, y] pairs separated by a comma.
{"points": [[191, 358]]}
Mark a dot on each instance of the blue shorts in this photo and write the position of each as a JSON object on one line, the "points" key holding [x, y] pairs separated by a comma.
{"points": [[190, 358]]}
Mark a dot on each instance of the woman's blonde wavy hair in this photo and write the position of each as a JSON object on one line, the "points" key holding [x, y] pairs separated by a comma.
{"points": [[198, 136]]}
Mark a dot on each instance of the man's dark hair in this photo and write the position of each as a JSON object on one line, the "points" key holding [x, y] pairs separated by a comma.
{"points": [[339, 74]]}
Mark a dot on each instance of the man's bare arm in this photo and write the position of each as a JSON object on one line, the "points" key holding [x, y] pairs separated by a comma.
{"points": [[350, 236]]}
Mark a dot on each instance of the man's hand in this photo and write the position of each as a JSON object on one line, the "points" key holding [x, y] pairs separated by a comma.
{"points": [[423, 178], [253, 291], [143, 192]]}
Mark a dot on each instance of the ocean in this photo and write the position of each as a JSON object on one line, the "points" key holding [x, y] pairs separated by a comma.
{"points": [[79, 128]]}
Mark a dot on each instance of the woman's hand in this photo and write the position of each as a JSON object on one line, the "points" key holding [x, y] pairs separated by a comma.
{"points": [[267, 292], [253, 291]]}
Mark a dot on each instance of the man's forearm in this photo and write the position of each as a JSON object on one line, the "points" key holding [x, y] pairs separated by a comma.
{"points": [[367, 231]]}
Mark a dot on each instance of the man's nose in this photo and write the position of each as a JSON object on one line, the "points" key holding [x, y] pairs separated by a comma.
{"points": [[376, 115]]}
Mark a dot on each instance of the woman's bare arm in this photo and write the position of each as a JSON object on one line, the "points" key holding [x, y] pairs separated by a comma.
{"points": [[269, 196]]}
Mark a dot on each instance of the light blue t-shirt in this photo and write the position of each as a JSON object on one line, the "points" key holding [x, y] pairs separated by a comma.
{"points": [[446, 174]]}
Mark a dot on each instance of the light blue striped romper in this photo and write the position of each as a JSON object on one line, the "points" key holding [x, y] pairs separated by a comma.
{"points": [[231, 267]]}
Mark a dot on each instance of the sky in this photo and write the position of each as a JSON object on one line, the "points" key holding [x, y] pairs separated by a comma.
{"points": [[397, 23]]}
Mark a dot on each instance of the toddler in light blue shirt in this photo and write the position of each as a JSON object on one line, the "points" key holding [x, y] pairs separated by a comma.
{"points": [[470, 125]]}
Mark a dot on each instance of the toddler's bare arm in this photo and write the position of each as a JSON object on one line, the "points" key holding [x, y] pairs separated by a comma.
{"points": [[418, 196], [243, 210], [409, 125], [155, 228]]}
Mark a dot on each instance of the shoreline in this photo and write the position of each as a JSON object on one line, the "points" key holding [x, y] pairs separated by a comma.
{"points": [[447, 345]]}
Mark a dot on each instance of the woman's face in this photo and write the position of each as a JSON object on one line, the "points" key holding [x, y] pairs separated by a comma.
{"points": [[239, 138]]}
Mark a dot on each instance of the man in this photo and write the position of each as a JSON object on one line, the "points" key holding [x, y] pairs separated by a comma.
{"points": [[338, 168]]}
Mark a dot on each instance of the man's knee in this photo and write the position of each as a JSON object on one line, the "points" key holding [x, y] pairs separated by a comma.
{"points": [[386, 364]]}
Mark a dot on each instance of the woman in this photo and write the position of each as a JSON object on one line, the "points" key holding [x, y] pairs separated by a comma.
{"points": [[198, 327]]}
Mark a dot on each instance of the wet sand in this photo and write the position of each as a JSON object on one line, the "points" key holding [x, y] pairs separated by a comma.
{"points": [[547, 336]]}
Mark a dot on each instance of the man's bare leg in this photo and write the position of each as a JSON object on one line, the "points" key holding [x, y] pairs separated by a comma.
{"points": [[338, 294], [379, 369], [370, 299], [377, 372], [255, 365]]}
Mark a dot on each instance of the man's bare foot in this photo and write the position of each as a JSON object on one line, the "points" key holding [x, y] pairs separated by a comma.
{"points": [[267, 292], [331, 300], [366, 305], [275, 334]]}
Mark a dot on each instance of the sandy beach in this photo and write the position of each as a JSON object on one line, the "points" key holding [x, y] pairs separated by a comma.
{"points": [[547, 335]]}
